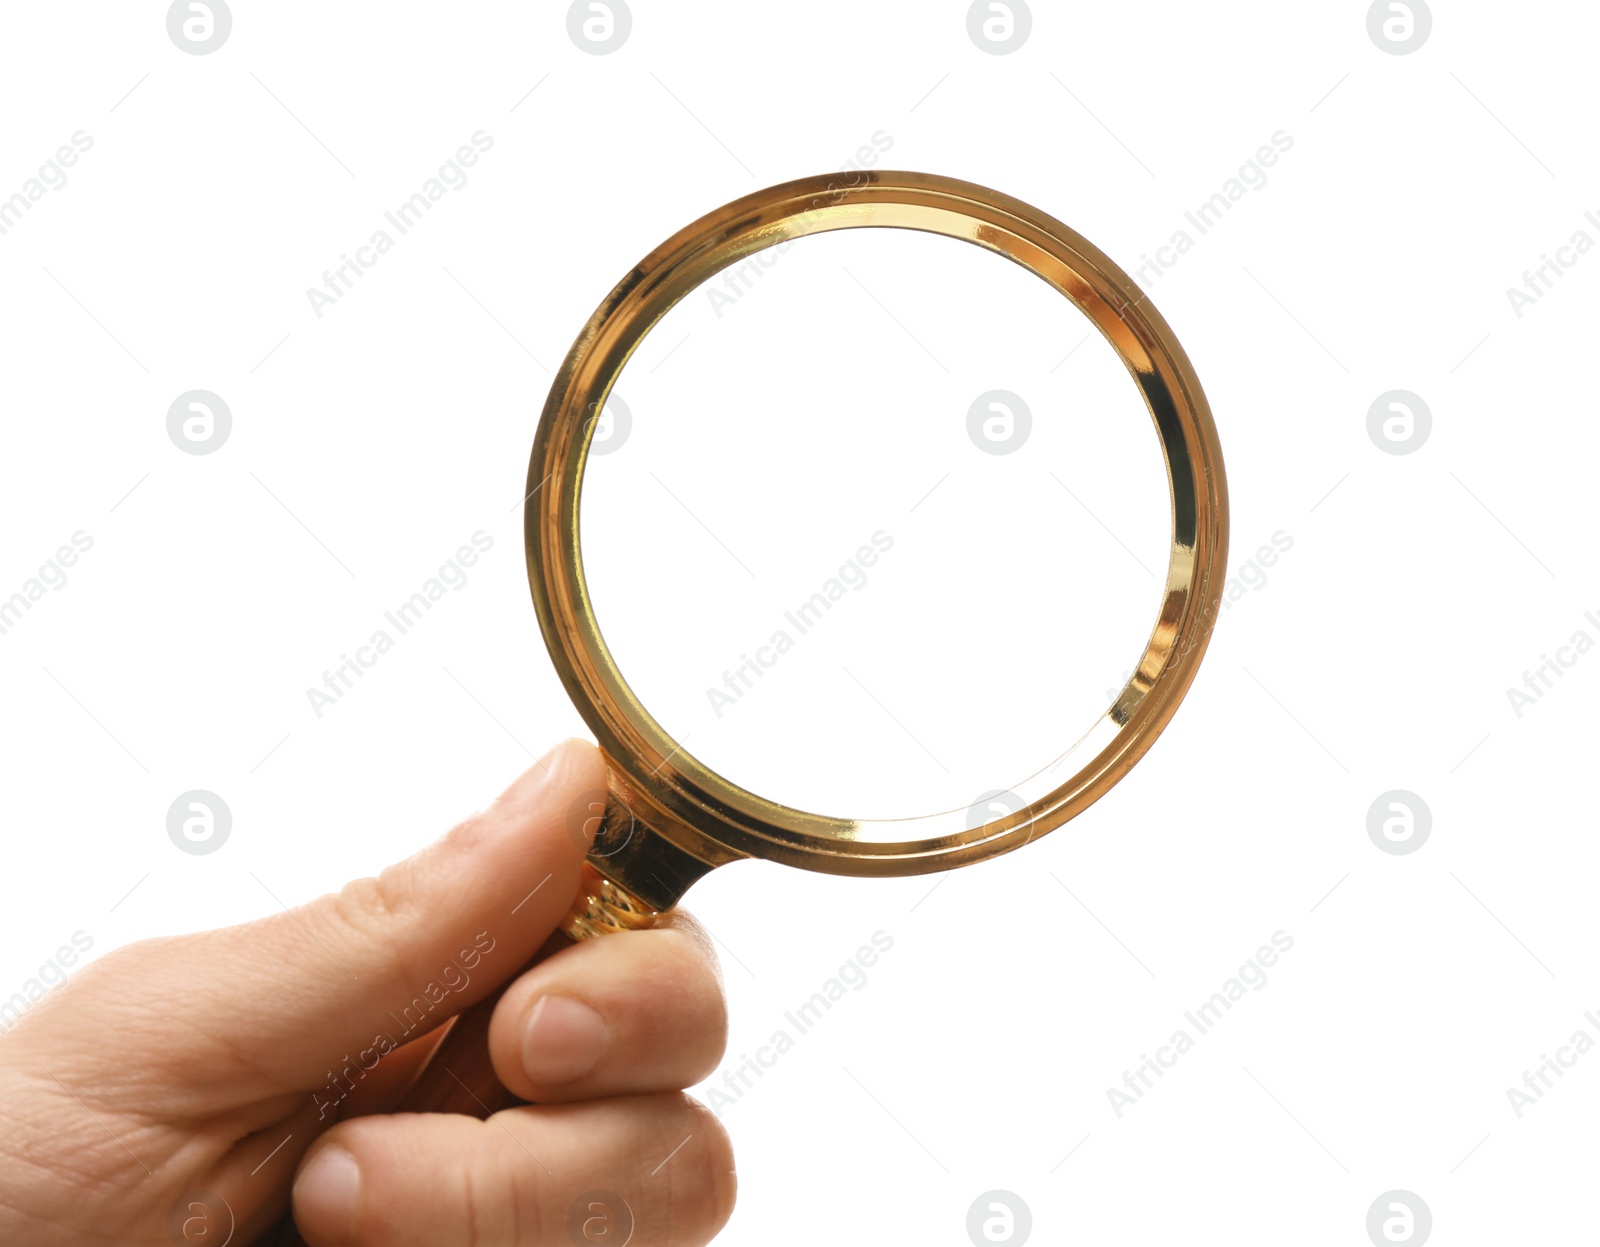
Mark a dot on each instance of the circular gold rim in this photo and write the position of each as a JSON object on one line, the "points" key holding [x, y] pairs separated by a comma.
{"points": [[704, 813]]}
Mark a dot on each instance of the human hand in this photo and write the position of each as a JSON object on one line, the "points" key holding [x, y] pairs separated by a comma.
{"points": [[244, 1062]]}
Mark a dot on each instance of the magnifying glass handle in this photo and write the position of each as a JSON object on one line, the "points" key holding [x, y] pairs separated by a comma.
{"points": [[458, 1077]]}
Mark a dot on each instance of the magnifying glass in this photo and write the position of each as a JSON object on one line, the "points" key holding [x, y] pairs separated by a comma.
{"points": [[668, 818]]}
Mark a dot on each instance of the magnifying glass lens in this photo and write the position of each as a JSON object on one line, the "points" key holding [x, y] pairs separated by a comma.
{"points": [[876, 524]]}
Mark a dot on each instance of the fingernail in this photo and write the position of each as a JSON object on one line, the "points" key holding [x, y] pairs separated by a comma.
{"points": [[325, 1194], [562, 1041]]}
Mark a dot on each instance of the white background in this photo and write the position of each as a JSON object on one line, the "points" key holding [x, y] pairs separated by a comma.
{"points": [[372, 441]]}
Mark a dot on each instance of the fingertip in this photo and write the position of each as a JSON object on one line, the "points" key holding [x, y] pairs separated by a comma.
{"points": [[624, 1014], [573, 764]]}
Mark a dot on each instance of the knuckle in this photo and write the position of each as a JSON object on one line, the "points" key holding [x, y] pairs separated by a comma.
{"points": [[129, 981], [373, 906], [710, 1180], [467, 832], [476, 1217], [689, 928], [496, 1199], [705, 1000], [695, 959], [711, 1019], [521, 1206]]}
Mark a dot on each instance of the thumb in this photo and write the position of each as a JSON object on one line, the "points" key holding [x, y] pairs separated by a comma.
{"points": [[354, 974]]}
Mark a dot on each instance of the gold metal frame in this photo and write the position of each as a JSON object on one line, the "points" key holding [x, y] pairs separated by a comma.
{"points": [[671, 818]]}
